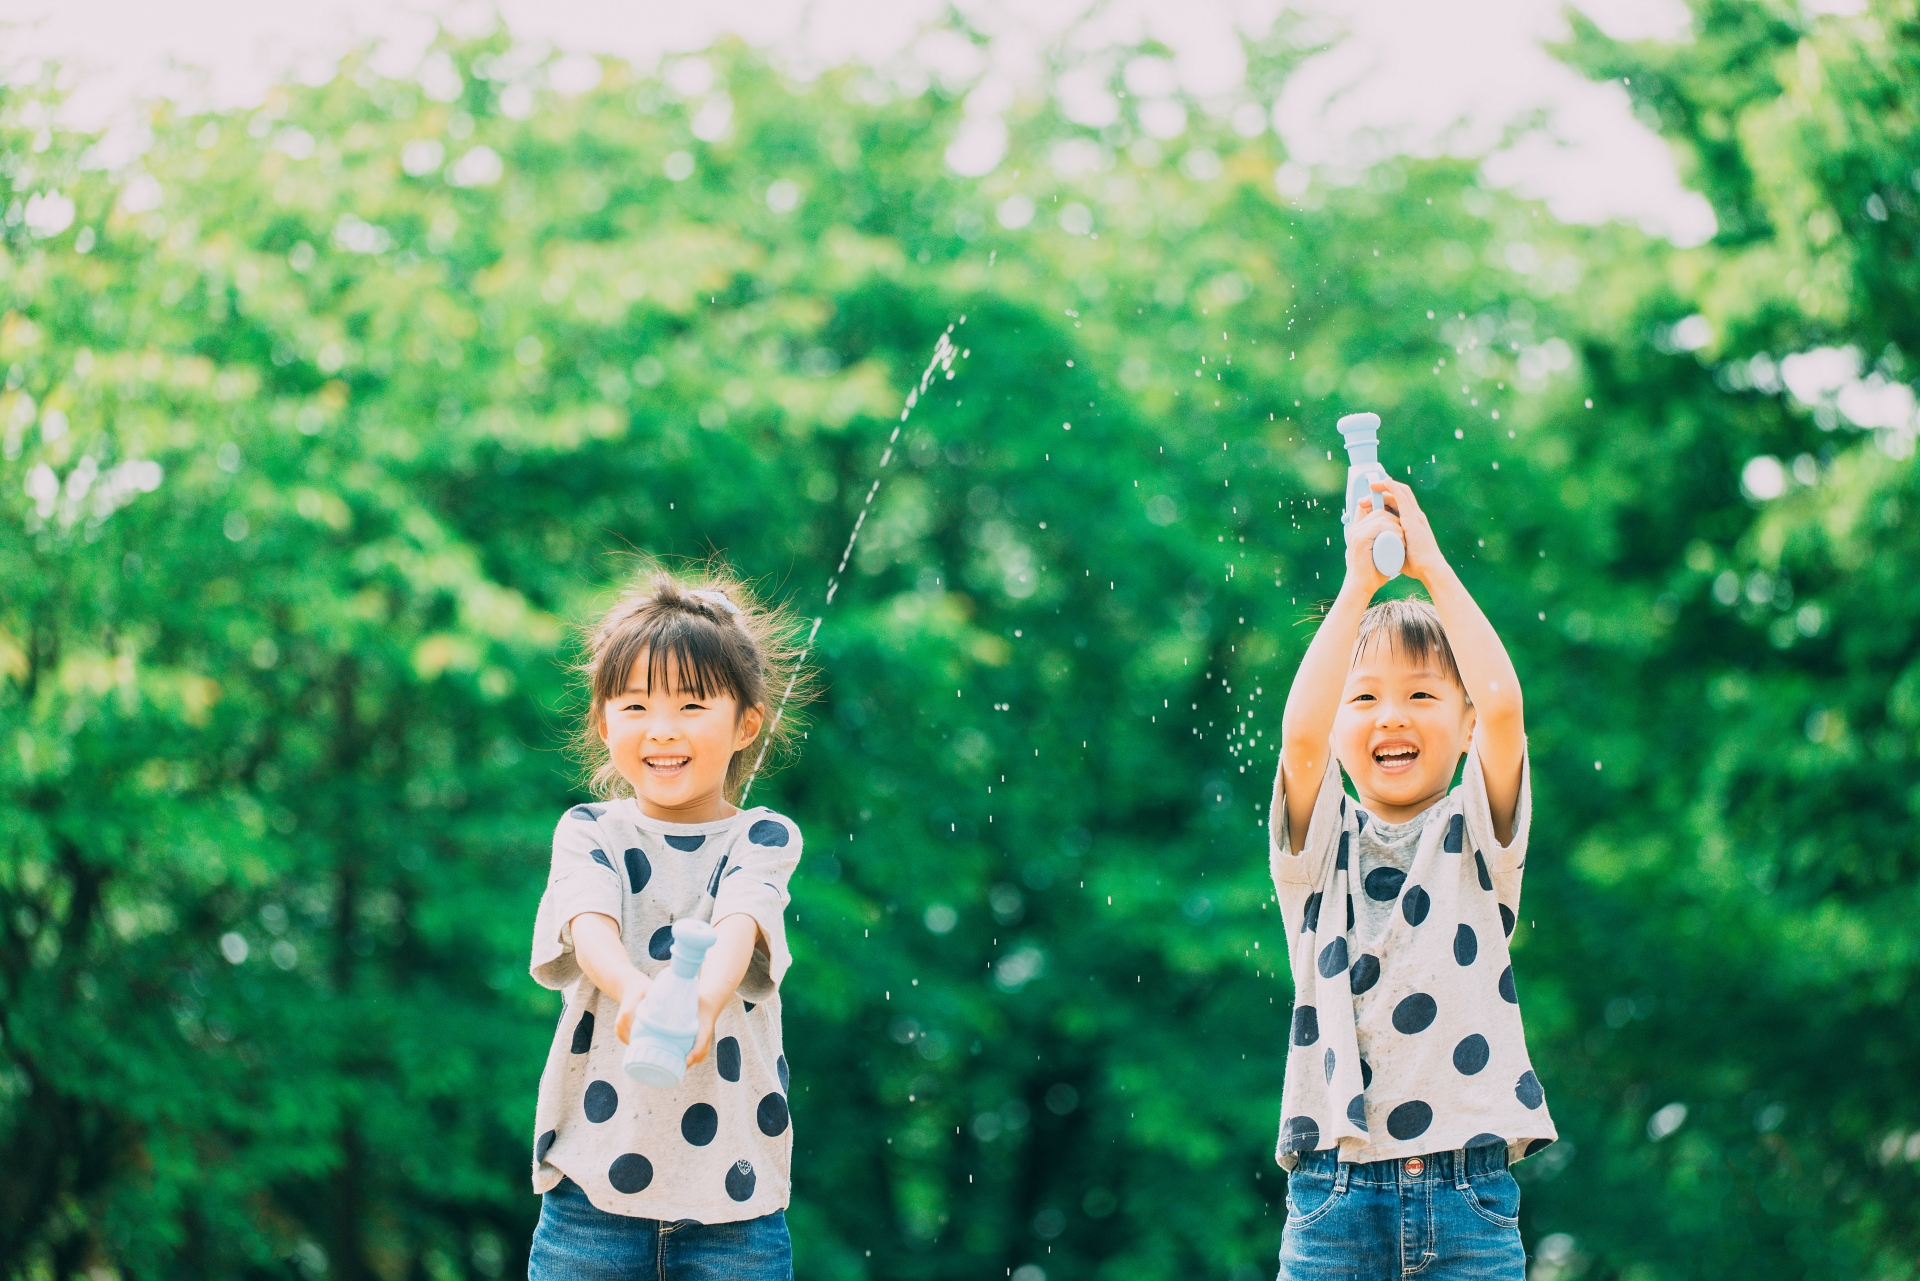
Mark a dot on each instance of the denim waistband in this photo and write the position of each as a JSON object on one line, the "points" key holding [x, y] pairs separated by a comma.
{"points": [[1486, 1159]]}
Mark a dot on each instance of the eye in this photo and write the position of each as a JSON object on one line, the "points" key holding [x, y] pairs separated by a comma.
{"points": [[692, 707], [1363, 698], [1422, 694]]}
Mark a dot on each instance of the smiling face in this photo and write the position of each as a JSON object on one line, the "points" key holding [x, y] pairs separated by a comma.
{"points": [[672, 744], [1403, 723]]}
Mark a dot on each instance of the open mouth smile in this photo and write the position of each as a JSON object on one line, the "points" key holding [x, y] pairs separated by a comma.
{"points": [[666, 766], [1395, 758]]}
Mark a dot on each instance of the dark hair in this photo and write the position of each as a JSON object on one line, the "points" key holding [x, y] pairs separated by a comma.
{"points": [[1411, 627], [706, 627]]}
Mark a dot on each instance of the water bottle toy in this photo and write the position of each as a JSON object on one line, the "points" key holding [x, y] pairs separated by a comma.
{"points": [[1361, 432], [669, 1015]]}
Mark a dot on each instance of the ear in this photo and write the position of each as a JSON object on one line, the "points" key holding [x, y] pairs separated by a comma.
{"points": [[600, 723], [748, 727]]}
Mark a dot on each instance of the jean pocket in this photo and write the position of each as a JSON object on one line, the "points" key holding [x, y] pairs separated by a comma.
{"points": [[1495, 1198], [1309, 1198]]}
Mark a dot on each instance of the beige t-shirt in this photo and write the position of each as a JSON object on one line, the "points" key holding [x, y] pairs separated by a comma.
{"points": [[1406, 1034], [718, 1147]]}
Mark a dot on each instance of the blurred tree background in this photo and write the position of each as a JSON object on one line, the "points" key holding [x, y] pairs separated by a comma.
{"points": [[325, 423]]}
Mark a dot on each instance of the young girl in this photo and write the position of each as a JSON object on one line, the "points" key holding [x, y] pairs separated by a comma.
{"points": [[688, 1182], [1408, 1086]]}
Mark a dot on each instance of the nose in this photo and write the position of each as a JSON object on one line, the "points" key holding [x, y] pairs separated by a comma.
{"points": [[1390, 714]]}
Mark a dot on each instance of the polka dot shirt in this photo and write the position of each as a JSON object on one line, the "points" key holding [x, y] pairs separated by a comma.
{"points": [[1406, 1036], [717, 1148]]}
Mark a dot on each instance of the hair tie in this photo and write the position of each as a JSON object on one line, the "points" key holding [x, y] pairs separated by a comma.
{"points": [[717, 598]]}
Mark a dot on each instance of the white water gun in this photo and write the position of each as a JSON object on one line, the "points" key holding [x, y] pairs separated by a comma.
{"points": [[1361, 432]]}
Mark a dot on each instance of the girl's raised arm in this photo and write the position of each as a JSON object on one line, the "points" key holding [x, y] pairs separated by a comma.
{"points": [[1306, 727], [1500, 731]]}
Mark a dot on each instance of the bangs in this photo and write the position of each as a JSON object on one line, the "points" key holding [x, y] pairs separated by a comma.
{"points": [[1410, 629], [706, 662]]}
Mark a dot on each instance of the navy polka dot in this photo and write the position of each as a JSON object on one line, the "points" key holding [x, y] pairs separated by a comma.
{"points": [[1349, 911], [1456, 829], [1310, 914], [772, 1115], [1466, 945], [630, 1173], [1306, 1025], [780, 1068], [1527, 1090], [726, 1058], [1415, 905], [1366, 1074], [713, 882], [1328, 1064], [768, 832], [585, 813], [600, 857], [748, 1005], [583, 1033], [1415, 1013], [1537, 1144], [1480, 865], [1383, 884], [1471, 1055], [1410, 1120], [1366, 972], [660, 946], [544, 1145], [1357, 1110], [1506, 919], [1333, 957], [639, 870], [600, 1102], [699, 1124], [1340, 862], [1299, 1134], [1507, 993], [686, 844], [1484, 1140], [1360, 818], [740, 1181]]}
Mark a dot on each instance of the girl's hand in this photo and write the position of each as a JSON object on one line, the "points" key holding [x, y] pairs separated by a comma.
{"points": [[1360, 535], [710, 1004], [636, 991], [1424, 560]]}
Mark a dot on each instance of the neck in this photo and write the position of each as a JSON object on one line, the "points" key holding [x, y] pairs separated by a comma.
{"points": [[1391, 812], [709, 808]]}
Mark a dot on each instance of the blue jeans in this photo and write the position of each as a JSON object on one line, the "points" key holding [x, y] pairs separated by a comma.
{"points": [[1447, 1216], [576, 1241]]}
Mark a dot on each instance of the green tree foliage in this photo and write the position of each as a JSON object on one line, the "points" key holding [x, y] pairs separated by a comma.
{"points": [[324, 424]]}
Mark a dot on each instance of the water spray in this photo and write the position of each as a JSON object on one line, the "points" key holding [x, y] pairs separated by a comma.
{"points": [[941, 362]]}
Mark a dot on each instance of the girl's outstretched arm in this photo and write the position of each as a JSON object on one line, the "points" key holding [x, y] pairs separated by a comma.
{"points": [[603, 959], [1306, 727], [1500, 731], [720, 975]]}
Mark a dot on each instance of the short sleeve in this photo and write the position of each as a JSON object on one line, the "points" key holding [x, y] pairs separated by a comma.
{"points": [[1323, 829], [1503, 860], [581, 879], [754, 883]]}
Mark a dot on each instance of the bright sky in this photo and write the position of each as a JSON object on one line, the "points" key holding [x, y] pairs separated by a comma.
{"points": [[1416, 76]]}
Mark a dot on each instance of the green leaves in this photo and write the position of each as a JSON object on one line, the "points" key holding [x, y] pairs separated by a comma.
{"points": [[324, 424]]}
